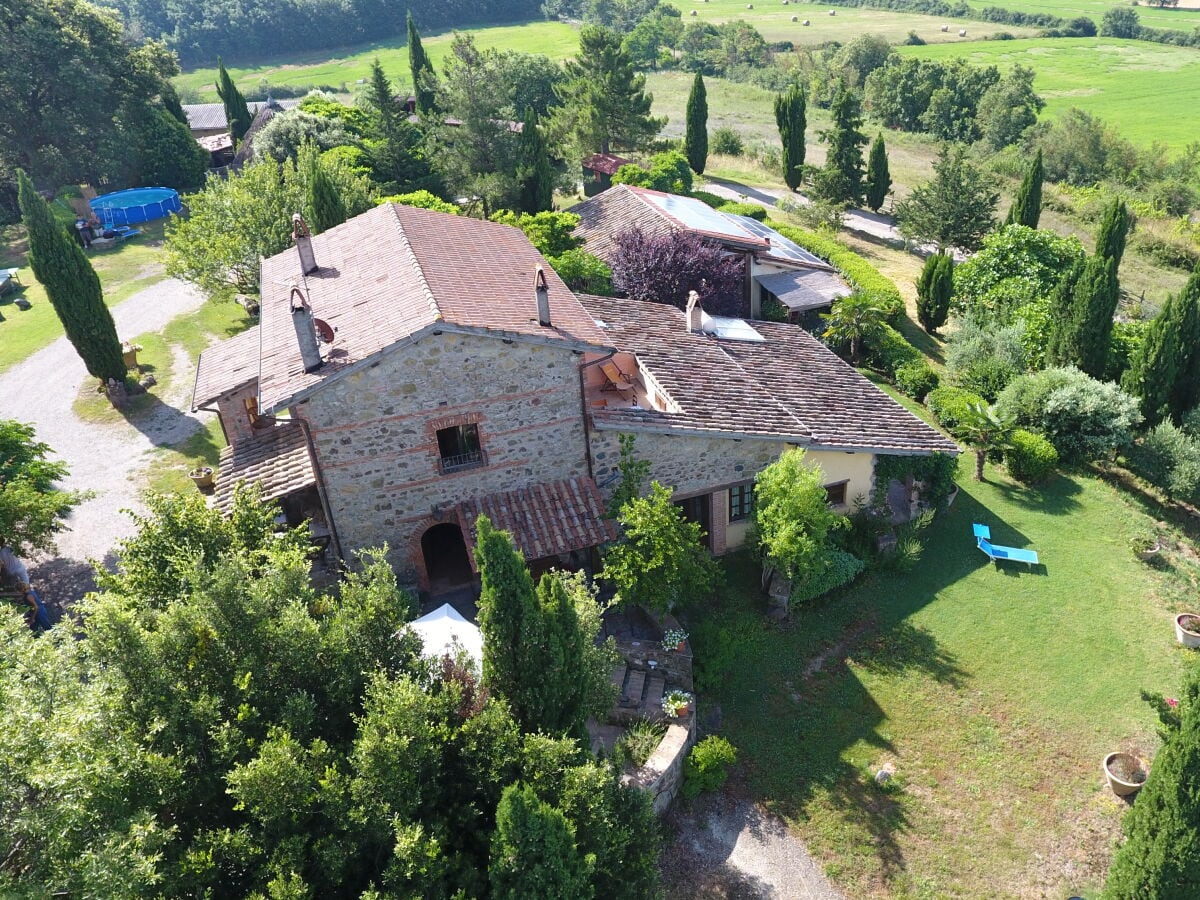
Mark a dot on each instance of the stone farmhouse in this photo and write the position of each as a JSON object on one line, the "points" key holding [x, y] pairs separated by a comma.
{"points": [[413, 369]]}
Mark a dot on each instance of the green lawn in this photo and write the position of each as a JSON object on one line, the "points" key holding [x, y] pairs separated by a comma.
{"points": [[1181, 19], [995, 693], [1150, 92], [124, 270]]}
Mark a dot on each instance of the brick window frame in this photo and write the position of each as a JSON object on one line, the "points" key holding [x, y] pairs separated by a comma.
{"points": [[740, 502], [470, 460]]}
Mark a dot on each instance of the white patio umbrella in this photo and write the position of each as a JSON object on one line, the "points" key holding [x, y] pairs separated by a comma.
{"points": [[445, 631]]}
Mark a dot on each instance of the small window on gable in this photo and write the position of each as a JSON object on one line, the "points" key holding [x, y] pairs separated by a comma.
{"points": [[835, 494], [741, 502], [459, 448]]}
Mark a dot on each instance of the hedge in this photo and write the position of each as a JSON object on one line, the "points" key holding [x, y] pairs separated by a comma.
{"points": [[916, 379], [752, 210], [711, 199], [862, 276], [1030, 458], [889, 352], [950, 404]]}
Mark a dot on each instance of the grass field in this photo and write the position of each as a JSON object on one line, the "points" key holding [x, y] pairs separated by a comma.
{"points": [[1181, 19], [1150, 92], [995, 693]]}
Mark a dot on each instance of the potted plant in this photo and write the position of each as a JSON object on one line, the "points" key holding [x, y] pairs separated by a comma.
{"points": [[1187, 629], [674, 639], [129, 352], [202, 476], [677, 704], [1125, 773], [1146, 546]]}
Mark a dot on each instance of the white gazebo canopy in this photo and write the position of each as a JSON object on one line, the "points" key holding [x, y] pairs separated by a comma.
{"points": [[445, 631]]}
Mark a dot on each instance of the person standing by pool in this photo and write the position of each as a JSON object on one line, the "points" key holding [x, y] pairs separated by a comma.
{"points": [[83, 233]]}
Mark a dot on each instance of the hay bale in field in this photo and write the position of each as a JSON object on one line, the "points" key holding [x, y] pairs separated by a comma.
{"points": [[962, 32]]}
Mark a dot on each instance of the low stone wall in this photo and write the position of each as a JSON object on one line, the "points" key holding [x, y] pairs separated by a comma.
{"points": [[662, 775]]}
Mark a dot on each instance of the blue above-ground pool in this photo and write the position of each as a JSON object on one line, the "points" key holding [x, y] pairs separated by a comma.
{"points": [[136, 205]]}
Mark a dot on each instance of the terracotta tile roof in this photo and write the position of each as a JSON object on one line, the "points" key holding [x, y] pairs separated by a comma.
{"points": [[226, 366], [606, 163], [389, 273], [277, 458], [543, 519], [788, 386]]}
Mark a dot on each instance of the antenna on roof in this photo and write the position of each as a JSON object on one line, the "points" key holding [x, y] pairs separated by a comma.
{"points": [[542, 290]]}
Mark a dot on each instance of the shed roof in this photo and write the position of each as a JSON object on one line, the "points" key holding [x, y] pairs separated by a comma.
{"points": [[277, 458], [210, 116], [226, 366], [606, 163], [804, 288]]}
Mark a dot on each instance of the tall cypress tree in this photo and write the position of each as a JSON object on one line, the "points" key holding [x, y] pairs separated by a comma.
{"points": [[534, 173], [695, 141], [534, 852], [424, 81], [844, 162], [1112, 231], [59, 263], [325, 207], [1185, 394], [1155, 367], [237, 113], [562, 690], [792, 119], [1027, 207], [935, 289], [879, 179], [1082, 317]]}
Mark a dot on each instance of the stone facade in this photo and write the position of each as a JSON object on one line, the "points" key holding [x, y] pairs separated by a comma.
{"points": [[375, 434], [662, 775]]}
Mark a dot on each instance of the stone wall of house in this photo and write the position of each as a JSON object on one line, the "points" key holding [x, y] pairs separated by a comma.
{"points": [[231, 409], [375, 435]]}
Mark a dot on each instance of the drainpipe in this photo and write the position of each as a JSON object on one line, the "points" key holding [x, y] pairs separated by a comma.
{"points": [[587, 431]]}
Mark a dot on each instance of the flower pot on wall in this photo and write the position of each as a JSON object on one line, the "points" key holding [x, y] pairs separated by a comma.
{"points": [[1187, 630], [1125, 773]]}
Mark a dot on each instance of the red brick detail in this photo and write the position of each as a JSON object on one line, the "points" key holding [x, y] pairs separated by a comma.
{"points": [[718, 512], [415, 554], [433, 426]]}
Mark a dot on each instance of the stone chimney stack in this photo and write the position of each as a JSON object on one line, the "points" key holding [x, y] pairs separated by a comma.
{"points": [[543, 297], [303, 239], [306, 331], [694, 314]]}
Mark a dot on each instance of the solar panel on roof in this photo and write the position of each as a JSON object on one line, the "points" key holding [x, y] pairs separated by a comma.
{"points": [[780, 246], [698, 215], [730, 329]]}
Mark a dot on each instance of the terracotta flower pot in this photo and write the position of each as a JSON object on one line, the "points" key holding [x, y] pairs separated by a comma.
{"points": [[1188, 637], [202, 477], [1119, 781]]}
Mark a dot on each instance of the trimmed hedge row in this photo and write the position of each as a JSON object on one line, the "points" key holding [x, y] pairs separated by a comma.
{"points": [[949, 405]]}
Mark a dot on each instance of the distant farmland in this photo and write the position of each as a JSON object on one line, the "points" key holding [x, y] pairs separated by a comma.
{"points": [[1150, 92]]}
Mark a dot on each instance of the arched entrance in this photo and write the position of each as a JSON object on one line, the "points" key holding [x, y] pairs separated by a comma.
{"points": [[445, 555]]}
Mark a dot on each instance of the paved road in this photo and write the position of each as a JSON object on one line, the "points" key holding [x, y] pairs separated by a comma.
{"points": [[104, 459]]}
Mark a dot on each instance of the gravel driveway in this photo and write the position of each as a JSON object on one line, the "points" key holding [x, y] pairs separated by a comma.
{"points": [[105, 459]]}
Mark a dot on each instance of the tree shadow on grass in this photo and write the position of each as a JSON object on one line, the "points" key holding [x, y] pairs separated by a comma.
{"points": [[1056, 497], [161, 423], [921, 339]]}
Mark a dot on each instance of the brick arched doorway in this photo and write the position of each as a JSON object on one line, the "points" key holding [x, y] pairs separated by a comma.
{"points": [[444, 552]]}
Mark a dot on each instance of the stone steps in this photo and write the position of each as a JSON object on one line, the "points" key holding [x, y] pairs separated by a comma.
{"points": [[634, 687], [651, 705]]}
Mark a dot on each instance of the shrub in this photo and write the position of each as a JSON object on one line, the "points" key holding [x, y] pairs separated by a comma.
{"points": [[583, 272], [916, 380], [752, 210], [1191, 421], [889, 351], [836, 569], [1025, 398], [1016, 265], [977, 340], [640, 740], [710, 199], [1169, 458], [816, 215], [986, 377], [726, 141], [951, 405], [707, 766], [1030, 458]]}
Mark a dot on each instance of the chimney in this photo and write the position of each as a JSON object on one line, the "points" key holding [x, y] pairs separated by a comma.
{"points": [[694, 314], [543, 297], [306, 331], [303, 239]]}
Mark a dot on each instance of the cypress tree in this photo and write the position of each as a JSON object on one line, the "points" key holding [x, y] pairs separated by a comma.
{"points": [[1094, 302], [1060, 340], [935, 289], [695, 140], [562, 690], [1112, 231], [1185, 393], [237, 113], [879, 179], [59, 263], [844, 162], [323, 200], [534, 852], [534, 173], [424, 81], [1155, 367], [1027, 207], [1160, 859], [791, 117]]}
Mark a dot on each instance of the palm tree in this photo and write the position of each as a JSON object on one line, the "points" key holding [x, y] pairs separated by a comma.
{"points": [[852, 320], [984, 431]]}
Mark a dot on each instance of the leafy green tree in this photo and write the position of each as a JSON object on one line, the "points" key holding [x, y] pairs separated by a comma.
{"points": [[1120, 22], [1160, 857], [237, 112], [1027, 207], [791, 120], [72, 286], [879, 179], [695, 140], [533, 851], [792, 518], [1017, 266], [322, 202], [854, 320], [660, 560], [1008, 108], [604, 101], [935, 290], [985, 431], [283, 136], [535, 177], [633, 474], [550, 232], [32, 508], [669, 172], [423, 200], [1082, 317], [421, 70], [584, 272], [842, 178], [953, 209], [167, 154], [1112, 231]]}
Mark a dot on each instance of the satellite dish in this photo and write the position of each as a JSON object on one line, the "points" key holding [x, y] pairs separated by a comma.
{"points": [[325, 331]]}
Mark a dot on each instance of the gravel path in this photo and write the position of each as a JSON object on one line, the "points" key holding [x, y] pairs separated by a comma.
{"points": [[103, 458]]}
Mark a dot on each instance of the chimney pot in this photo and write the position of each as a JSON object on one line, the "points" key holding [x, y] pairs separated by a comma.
{"points": [[303, 240], [542, 291], [306, 331], [694, 314]]}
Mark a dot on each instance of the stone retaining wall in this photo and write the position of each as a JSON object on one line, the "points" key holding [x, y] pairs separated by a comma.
{"points": [[662, 775]]}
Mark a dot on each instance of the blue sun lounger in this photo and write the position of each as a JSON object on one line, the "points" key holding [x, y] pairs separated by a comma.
{"points": [[995, 552]]}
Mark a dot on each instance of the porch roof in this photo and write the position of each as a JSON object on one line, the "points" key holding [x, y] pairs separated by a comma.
{"points": [[277, 458], [804, 288]]}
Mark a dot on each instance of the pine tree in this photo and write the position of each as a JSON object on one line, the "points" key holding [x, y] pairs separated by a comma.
{"points": [[935, 289], [534, 852], [843, 177], [695, 141], [1185, 393], [398, 159], [424, 81], [1160, 859], [1027, 207], [879, 179], [535, 176], [1112, 231], [59, 263], [1082, 317], [792, 119], [323, 203], [1155, 367], [237, 113]]}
